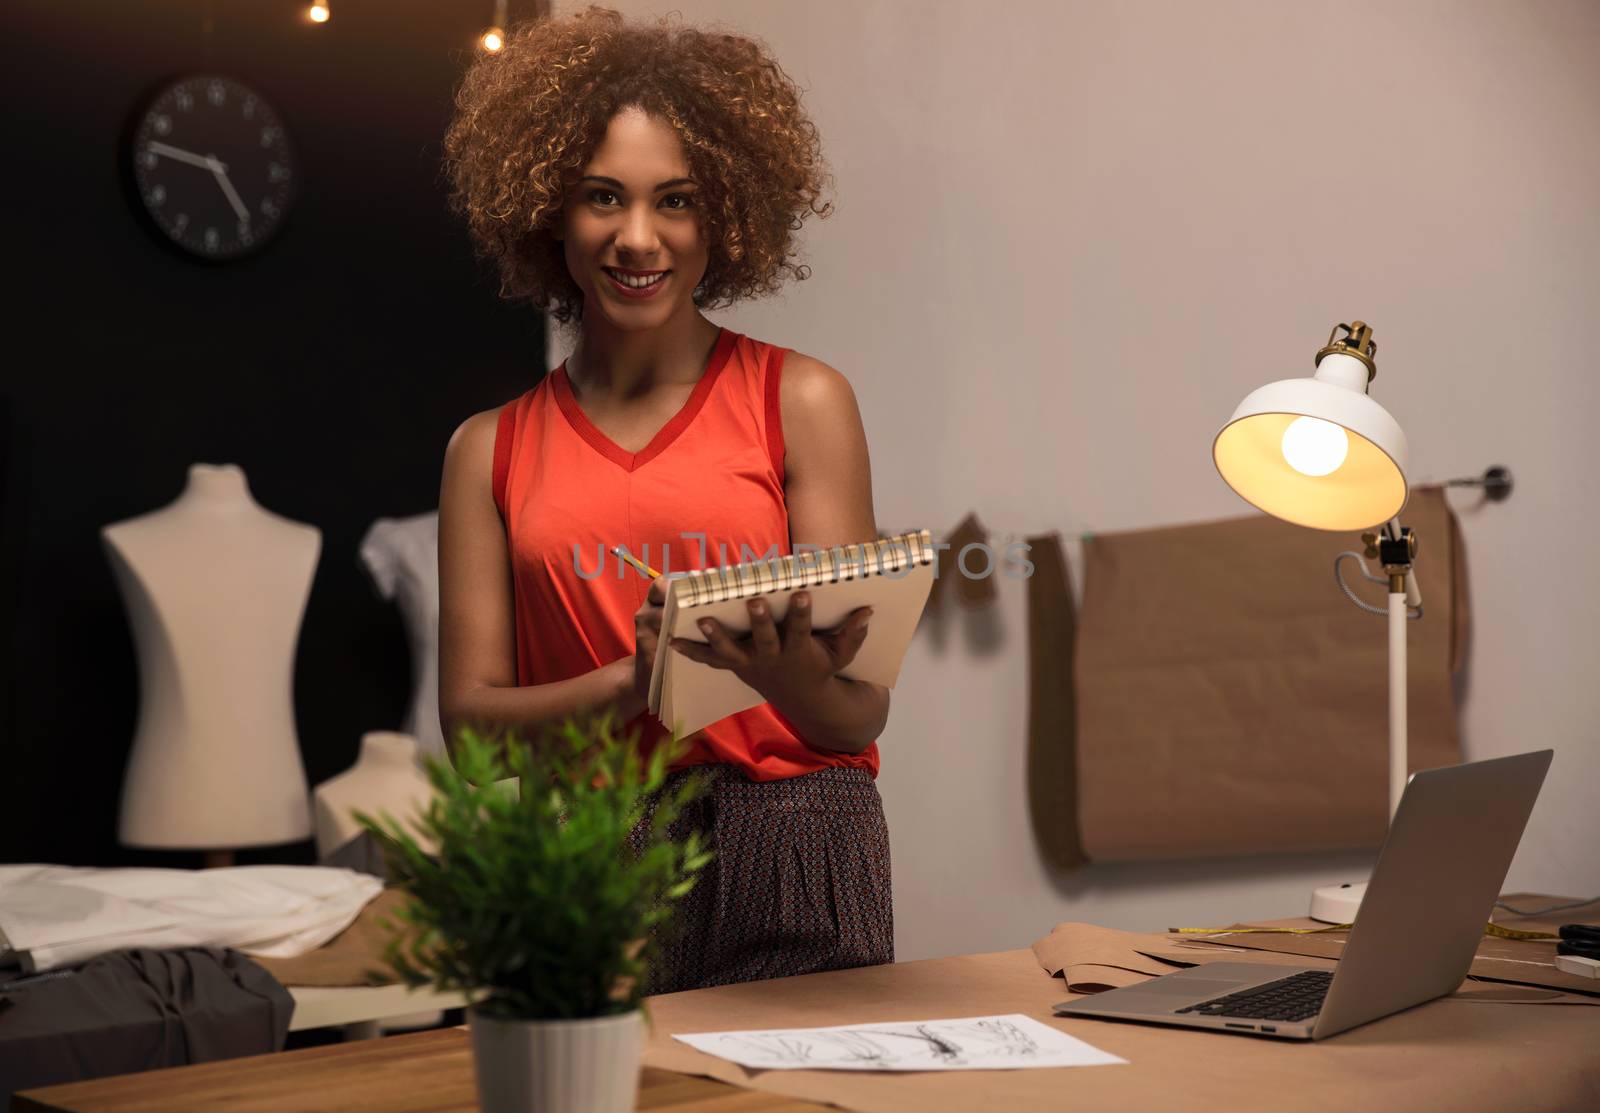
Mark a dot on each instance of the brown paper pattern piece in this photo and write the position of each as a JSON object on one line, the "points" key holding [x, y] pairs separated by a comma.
{"points": [[1231, 700]]}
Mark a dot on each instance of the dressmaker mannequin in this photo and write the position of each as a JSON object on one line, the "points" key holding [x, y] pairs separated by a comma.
{"points": [[385, 778], [215, 587], [402, 556]]}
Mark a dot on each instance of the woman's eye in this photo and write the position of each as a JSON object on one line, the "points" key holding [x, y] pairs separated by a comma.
{"points": [[682, 197], [599, 196]]}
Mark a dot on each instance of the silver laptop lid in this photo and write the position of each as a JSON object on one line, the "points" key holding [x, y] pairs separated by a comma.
{"points": [[1449, 847]]}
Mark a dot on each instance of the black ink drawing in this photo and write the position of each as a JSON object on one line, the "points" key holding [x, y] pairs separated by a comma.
{"points": [[984, 1041]]}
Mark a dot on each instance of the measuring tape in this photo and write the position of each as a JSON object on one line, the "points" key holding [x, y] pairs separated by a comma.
{"points": [[1257, 931], [1517, 933], [1488, 929]]}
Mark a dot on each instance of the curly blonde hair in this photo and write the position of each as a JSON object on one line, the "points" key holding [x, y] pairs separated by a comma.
{"points": [[529, 118]]}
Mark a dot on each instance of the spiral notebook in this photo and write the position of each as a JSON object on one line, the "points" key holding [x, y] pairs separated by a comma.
{"points": [[892, 575]]}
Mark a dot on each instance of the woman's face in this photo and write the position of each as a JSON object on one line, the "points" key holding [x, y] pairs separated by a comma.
{"points": [[630, 226]]}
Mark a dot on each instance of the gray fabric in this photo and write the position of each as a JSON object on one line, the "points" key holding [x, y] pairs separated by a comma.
{"points": [[135, 1010]]}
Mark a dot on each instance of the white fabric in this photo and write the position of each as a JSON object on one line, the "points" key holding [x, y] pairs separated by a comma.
{"points": [[58, 915]]}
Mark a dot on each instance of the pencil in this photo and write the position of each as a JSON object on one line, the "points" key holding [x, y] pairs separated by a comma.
{"points": [[621, 554]]}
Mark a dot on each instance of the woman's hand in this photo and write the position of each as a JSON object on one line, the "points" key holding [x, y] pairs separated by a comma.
{"points": [[785, 664], [635, 671]]}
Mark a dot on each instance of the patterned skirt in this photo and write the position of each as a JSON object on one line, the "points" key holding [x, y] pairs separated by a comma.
{"points": [[800, 881]]}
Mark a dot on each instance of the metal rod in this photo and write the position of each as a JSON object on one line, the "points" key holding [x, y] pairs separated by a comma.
{"points": [[1495, 483], [1397, 697]]}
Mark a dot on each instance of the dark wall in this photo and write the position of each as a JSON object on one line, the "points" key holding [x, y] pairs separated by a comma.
{"points": [[332, 367]]}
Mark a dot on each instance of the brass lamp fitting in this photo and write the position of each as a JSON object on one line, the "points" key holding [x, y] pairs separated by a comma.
{"points": [[1356, 341], [1396, 555]]}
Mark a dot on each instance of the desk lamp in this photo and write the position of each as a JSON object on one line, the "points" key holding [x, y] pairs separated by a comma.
{"points": [[1319, 452]]}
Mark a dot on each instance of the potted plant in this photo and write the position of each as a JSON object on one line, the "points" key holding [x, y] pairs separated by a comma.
{"points": [[536, 906]]}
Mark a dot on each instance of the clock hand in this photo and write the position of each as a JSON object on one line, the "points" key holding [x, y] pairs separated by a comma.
{"points": [[232, 194], [156, 147]]}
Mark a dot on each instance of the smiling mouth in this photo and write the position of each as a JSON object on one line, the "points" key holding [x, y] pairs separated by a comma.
{"points": [[636, 281]]}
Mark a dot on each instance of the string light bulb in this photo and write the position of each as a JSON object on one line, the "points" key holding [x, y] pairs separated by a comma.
{"points": [[494, 38], [319, 12]]}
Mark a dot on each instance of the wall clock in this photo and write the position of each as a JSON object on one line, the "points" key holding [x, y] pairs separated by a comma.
{"points": [[212, 166]]}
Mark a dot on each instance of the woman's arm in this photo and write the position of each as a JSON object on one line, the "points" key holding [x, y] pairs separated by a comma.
{"points": [[477, 646], [828, 488]]}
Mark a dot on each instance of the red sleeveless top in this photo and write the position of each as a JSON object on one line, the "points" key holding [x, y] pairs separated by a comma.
{"points": [[707, 490]]}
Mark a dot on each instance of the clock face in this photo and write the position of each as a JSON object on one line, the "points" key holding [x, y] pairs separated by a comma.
{"points": [[212, 166]]}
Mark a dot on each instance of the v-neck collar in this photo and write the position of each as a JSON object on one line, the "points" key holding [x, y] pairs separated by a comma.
{"points": [[633, 461]]}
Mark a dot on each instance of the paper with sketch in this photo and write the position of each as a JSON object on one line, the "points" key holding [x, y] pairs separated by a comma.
{"points": [[970, 1043]]}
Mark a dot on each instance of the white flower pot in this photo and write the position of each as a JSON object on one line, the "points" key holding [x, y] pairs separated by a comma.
{"points": [[557, 1066]]}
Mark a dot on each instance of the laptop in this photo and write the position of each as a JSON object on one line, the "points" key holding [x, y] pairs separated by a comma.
{"points": [[1435, 885]]}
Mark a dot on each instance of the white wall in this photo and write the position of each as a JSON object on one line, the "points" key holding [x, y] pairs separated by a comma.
{"points": [[1071, 236]]}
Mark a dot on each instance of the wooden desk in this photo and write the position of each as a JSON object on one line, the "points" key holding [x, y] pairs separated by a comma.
{"points": [[1459, 1055], [425, 1072], [1449, 1054]]}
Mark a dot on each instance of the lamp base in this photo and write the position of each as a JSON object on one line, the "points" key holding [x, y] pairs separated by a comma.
{"points": [[1337, 904]]}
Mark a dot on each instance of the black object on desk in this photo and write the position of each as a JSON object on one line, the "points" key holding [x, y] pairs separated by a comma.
{"points": [[1582, 940]]}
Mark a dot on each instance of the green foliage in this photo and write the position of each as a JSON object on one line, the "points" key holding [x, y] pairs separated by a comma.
{"points": [[535, 905]]}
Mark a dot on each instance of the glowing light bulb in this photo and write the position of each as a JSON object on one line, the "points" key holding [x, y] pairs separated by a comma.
{"points": [[1315, 447], [493, 39], [318, 13]]}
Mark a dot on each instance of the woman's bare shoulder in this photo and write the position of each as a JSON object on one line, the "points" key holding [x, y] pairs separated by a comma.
{"points": [[811, 390], [471, 448], [478, 429]]}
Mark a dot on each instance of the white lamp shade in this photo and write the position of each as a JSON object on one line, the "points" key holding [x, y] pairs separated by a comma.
{"points": [[1366, 489]]}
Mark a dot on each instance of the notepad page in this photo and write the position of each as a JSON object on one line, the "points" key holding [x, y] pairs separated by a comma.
{"points": [[698, 694]]}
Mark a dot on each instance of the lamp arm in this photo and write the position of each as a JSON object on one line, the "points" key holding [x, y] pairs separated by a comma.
{"points": [[1397, 549], [1397, 700]]}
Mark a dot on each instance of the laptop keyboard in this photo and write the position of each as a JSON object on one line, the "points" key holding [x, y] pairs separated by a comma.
{"points": [[1293, 998]]}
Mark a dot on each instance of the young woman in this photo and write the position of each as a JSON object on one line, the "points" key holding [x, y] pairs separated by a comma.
{"points": [[625, 178]]}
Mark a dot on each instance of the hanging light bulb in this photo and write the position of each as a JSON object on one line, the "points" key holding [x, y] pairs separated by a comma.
{"points": [[319, 12], [494, 38]]}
